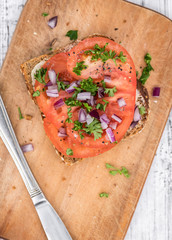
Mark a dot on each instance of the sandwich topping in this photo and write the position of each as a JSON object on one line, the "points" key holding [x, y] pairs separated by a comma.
{"points": [[87, 96]]}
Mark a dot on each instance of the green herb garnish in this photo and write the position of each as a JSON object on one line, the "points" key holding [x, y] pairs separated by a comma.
{"points": [[89, 86], [69, 151], [103, 194], [147, 69], [77, 125], [109, 165], [79, 67], [36, 93], [142, 110], [73, 102], [89, 108], [101, 106], [109, 91], [100, 53], [95, 128], [69, 120], [120, 171], [72, 34], [20, 114], [44, 14], [137, 73], [40, 75]]}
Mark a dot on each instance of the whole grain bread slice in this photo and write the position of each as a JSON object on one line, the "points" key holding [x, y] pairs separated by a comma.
{"points": [[142, 95]]}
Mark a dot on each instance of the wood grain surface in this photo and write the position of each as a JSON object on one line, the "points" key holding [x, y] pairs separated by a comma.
{"points": [[69, 189]]}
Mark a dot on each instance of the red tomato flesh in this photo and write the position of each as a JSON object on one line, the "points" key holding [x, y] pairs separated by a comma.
{"points": [[123, 76]]}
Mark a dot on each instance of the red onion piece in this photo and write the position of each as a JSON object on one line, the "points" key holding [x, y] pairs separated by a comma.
{"points": [[62, 132], [71, 88], [113, 125], [104, 118], [83, 96], [110, 134], [49, 84], [52, 22], [118, 119], [59, 103], [27, 147], [53, 87], [121, 102], [78, 82], [82, 116], [52, 76], [94, 114], [49, 94], [133, 124], [104, 125], [100, 92], [52, 91], [107, 78], [91, 101], [66, 82], [137, 115], [156, 92], [89, 119]]}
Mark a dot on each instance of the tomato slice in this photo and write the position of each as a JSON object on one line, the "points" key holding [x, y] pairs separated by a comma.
{"points": [[98, 69], [123, 77], [62, 144]]}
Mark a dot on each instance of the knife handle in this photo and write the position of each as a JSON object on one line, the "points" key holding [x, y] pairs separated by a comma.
{"points": [[8, 136]]}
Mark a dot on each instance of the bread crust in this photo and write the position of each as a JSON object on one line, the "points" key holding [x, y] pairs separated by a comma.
{"points": [[27, 67]]}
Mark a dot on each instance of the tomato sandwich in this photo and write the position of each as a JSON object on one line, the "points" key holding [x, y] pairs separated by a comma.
{"points": [[88, 96]]}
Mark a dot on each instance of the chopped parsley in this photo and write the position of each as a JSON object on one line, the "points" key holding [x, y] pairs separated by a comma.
{"points": [[20, 114], [44, 14], [61, 85], [109, 165], [69, 151], [147, 69], [89, 86], [36, 93], [96, 53], [109, 91], [121, 171], [72, 34], [100, 53], [73, 102], [77, 125], [101, 106], [40, 75], [142, 110], [79, 67], [104, 194], [69, 120], [95, 128], [89, 108], [137, 73]]}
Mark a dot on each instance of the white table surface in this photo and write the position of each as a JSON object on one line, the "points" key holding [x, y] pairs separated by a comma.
{"points": [[152, 219]]}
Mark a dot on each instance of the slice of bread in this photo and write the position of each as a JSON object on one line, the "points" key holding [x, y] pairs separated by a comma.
{"points": [[142, 97]]}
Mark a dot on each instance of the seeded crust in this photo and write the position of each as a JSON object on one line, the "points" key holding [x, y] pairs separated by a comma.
{"points": [[143, 99]]}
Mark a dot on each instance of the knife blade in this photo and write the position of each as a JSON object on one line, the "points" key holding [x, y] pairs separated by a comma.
{"points": [[52, 224]]}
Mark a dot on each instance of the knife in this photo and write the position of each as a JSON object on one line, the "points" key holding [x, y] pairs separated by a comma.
{"points": [[51, 222]]}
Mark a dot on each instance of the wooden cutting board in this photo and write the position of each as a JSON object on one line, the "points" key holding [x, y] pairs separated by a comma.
{"points": [[74, 191]]}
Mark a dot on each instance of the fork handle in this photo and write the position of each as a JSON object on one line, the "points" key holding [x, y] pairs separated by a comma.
{"points": [[8, 136]]}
